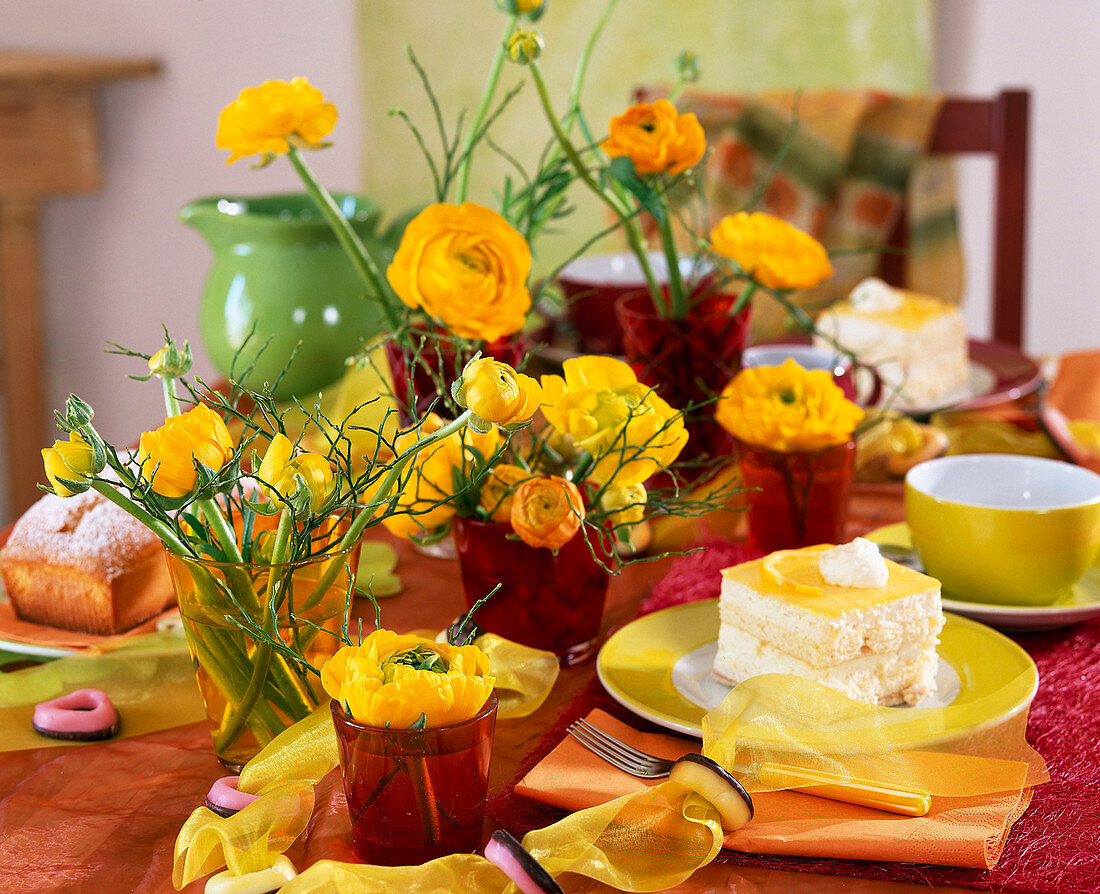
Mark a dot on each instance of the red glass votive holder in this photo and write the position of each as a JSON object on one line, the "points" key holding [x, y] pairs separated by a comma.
{"points": [[546, 601], [415, 794], [688, 361], [801, 497]]}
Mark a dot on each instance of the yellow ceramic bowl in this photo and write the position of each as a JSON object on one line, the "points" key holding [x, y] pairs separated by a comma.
{"points": [[1009, 530]]}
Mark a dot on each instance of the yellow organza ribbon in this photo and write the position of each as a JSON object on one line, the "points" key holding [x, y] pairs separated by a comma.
{"points": [[951, 752], [150, 678]]}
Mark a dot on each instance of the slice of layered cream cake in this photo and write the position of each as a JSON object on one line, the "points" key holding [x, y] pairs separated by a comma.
{"points": [[841, 616]]}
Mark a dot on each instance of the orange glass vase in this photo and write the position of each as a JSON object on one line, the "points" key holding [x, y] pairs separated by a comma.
{"points": [[250, 691]]}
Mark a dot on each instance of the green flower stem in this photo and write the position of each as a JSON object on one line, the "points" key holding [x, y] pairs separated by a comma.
{"points": [[482, 111], [347, 237], [615, 202], [744, 297], [581, 71], [677, 298], [166, 534], [171, 402], [277, 575], [355, 531], [216, 659]]}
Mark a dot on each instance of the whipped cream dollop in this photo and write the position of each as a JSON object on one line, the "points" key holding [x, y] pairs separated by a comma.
{"points": [[855, 564], [874, 296]]}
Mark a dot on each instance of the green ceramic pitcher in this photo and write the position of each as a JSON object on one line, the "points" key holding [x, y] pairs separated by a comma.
{"points": [[280, 274]]}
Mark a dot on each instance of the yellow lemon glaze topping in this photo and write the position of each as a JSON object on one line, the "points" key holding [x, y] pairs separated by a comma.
{"points": [[915, 311], [794, 577]]}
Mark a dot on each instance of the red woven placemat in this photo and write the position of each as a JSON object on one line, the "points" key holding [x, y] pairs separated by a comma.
{"points": [[1054, 847]]}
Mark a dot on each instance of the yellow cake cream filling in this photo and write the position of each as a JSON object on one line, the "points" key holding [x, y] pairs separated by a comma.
{"points": [[874, 644]]}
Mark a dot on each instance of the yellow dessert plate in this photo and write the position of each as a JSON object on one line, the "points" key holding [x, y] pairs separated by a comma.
{"points": [[1081, 602], [658, 667]]}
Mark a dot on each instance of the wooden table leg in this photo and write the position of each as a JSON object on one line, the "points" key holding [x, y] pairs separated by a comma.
{"points": [[21, 366]]}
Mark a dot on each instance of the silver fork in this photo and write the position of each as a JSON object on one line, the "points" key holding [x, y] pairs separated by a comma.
{"points": [[891, 798]]}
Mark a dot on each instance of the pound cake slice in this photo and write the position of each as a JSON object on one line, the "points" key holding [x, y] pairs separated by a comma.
{"points": [[840, 616], [82, 563]]}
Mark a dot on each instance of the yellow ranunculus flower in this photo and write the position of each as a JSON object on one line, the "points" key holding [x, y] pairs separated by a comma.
{"points": [[771, 251], [657, 138], [466, 267], [422, 502], [787, 408], [497, 393], [72, 460], [261, 119], [279, 466], [629, 430], [168, 454], [547, 511], [498, 489], [391, 680], [626, 504]]}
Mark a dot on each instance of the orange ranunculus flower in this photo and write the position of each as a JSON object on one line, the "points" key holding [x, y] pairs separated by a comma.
{"points": [[547, 511], [168, 455], [392, 680], [73, 461], [276, 473], [497, 393], [466, 267], [787, 408], [498, 489], [771, 251], [629, 430], [262, 120], [657, 138]]}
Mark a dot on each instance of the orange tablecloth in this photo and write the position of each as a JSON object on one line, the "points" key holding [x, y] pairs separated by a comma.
{"points": [[155, 781]]}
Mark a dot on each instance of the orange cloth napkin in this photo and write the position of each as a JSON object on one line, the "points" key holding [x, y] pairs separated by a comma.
{"points": [[967, 832], [1076, 386]]}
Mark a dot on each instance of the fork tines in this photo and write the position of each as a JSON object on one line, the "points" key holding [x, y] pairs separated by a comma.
{"points": [[618, 753]]}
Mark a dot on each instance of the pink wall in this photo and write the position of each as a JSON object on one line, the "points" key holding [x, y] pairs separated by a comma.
{"points": [[116, 263]]}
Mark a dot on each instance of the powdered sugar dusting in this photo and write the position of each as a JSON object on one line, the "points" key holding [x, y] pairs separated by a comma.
{"points": [[83, 531]]}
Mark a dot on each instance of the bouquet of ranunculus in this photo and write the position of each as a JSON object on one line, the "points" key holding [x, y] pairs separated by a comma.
{"points": [[260, 534], [582, 475]]}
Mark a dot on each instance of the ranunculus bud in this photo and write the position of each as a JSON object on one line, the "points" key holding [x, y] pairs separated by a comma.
{"points": [[525, 47], [69, 464], [170, 362], [496, 393], [687, 66]]}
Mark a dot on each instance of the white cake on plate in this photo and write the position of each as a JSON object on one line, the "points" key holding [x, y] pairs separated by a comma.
{"points": [[916, 343], [843, 617]]}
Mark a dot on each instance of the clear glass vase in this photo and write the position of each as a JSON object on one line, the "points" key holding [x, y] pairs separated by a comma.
{"points": [[251, 692]]}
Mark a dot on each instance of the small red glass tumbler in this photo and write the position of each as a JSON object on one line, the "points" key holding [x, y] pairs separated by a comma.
{"points": [[414, 795], [800, 497], [689, 361], [546, 600]]}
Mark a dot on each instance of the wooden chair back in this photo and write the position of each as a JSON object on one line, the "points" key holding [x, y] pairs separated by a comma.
{"points": [[996, 126]]}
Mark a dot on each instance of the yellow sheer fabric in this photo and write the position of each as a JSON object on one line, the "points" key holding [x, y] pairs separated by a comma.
{"points": [[951, 752], [954, 751], [150, 679]]}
